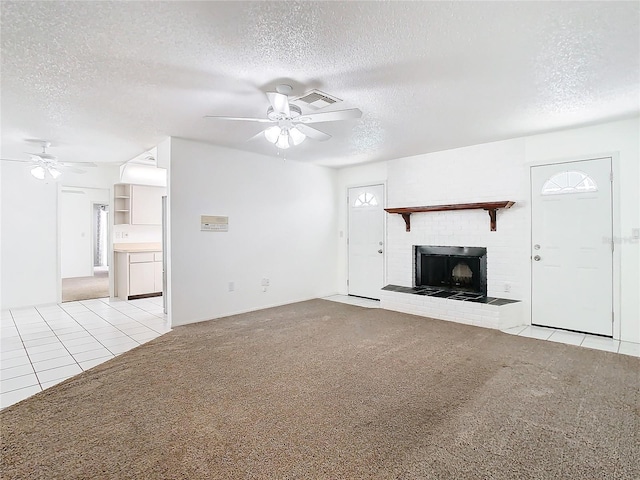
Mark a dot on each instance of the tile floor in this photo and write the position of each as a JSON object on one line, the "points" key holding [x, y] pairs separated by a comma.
{"points": [[578, 339], [42, 346]]}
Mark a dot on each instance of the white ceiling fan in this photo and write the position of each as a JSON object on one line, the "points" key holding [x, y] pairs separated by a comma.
{"points": [[291, 125], [45, 165]]}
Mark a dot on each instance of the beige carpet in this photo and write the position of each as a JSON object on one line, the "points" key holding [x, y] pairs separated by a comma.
{"points": [[85, 288], [325, 390]]}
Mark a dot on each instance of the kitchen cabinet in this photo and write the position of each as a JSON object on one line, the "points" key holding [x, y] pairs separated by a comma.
{"points": [[138, 274], [138, 204]]}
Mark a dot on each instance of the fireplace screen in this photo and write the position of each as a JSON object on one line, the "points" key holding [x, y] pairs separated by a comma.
{"points": [[458, 269]]}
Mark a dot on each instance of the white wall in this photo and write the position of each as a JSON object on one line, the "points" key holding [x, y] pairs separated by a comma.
{"points": [[137, 233], [29, 238], [282, 224], [500, 171], [76, 229], [30, 232]]}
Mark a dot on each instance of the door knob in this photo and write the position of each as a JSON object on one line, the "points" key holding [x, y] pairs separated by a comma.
{"points": [[380, 251], [537, 258], [536, 247]]}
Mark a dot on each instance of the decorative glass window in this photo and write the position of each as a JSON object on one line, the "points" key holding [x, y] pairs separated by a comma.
{"points": [[366, 199], [569, 182]]}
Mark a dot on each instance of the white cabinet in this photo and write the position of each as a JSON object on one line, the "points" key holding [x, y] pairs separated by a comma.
{"points": [[147, 205], [138, 204], [138, 273], [141, 278]]}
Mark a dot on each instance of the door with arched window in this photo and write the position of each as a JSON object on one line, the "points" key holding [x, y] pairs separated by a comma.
{"points": [[366, 241], [571, 239]]}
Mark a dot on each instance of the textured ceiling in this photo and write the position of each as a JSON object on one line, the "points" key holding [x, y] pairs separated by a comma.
{"points": [[105, 81]]}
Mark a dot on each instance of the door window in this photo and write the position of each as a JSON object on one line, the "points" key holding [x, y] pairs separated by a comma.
{"points": [[569, 182], [366, 199]]}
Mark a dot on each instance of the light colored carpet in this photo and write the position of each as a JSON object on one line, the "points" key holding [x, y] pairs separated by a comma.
{"points": [[321, 389], [86, 288]]}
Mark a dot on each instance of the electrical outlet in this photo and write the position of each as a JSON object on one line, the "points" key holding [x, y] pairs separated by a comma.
{"points": [[265, 282], [232, 286], [635, 233], [507, 287]]}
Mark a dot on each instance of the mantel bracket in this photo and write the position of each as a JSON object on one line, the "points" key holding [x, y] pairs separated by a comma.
{"points": [[492, 216], [407, 221]]}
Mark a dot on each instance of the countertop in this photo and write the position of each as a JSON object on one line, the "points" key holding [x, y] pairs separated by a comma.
{"points": [[136, 247]]}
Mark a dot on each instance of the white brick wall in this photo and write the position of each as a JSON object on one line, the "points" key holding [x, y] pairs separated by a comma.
{"points": [[469, 313], [489, 172]]}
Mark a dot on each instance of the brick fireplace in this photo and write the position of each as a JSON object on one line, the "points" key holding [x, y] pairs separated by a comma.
{"points": [[452, 266]]}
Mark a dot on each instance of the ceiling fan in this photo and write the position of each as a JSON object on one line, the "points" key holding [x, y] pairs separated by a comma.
{"points": [[45, 165], [291, 125]]}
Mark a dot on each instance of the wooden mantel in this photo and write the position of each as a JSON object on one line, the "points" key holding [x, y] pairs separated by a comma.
{"points": [[490, 207]]}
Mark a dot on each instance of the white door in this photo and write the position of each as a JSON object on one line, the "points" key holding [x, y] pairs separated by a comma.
{"points": [[75, 234], [571, 238], [366, 241]]}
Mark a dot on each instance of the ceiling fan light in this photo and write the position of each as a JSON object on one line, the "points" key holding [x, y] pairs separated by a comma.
{"points": [[272, 133], [283, 140], [297, 137], [38, 172], [54, 173]]}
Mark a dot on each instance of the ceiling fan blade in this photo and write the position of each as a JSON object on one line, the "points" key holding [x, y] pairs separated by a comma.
{"points": [[84, 164], [245, 119], [45, 156], [65, 168], [15, 160], [330, 116], [260, 134], [313, 132], [279, 102]]}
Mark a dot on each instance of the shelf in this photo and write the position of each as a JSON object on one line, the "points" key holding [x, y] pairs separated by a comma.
{"points": [[122, 196], [490, 207], [124, 211]]}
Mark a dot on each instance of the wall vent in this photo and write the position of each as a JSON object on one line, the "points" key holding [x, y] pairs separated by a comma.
{"points": [[315, 99]]}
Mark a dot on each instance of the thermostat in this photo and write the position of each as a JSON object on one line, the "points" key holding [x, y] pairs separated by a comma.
{"points": [[212, 223]]}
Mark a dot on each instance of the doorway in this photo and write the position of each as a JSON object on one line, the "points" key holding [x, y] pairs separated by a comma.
{"points": [[572, 246], [366, 241], [84, 243]]}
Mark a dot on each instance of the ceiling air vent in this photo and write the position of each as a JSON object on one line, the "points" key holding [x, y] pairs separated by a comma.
{"points": [[315, 99]]}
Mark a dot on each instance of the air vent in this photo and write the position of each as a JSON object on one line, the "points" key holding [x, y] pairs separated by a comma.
{"points": [[315, 99], [146, 158]]}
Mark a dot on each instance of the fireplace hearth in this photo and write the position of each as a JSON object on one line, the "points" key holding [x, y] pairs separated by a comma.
{"points": [[451, 269]]}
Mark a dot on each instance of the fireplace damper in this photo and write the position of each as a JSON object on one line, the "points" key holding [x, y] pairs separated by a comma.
{"points": [[456, 269]]}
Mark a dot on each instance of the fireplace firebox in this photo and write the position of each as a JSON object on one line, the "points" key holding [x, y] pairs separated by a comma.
{"points": [[454, 269]]}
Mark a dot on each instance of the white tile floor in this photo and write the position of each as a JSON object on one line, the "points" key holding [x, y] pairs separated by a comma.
{"points": [[578, 339], [42, 346]]}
